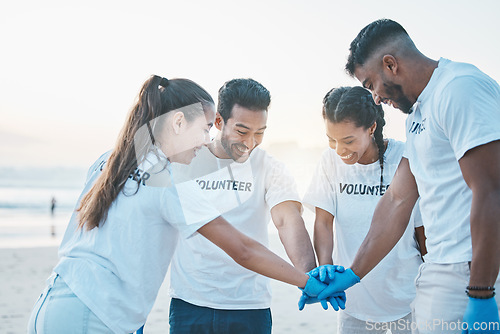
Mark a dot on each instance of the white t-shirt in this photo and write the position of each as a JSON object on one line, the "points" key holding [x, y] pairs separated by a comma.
{"points": [[201, 273], [350, 193], [458, 110], [118, 268]]}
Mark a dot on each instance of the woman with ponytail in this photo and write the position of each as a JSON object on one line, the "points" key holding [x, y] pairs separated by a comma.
{"points": [[120, 240], [349, 181]]}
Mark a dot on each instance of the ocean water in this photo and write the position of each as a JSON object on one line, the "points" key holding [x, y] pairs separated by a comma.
{"points": [[26, 219]]}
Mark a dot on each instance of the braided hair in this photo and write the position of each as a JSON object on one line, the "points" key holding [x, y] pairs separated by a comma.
{"points": [[356, 104]]}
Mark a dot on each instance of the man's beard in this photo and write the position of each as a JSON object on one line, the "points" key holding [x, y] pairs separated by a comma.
{"points": [[396, 95]]}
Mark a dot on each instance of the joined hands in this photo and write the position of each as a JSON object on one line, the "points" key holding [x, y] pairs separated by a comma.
{"points": [[335, 280]]}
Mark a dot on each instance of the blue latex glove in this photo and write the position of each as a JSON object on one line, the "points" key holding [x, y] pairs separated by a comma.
{"points": [[313, 286], [341, 282], [480, 314], [337, 300], [326, 272]]}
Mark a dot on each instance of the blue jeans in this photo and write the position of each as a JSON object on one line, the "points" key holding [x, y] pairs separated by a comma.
{"points": [[186, 318], [59, 311]]}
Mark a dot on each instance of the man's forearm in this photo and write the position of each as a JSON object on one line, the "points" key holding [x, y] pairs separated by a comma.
{"points": [[485, 234], [389, 222], [297, 244], [479, 168], [293, 234]]}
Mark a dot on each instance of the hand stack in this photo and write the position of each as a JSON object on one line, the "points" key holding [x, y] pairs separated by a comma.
{"points": [[335, 280]]}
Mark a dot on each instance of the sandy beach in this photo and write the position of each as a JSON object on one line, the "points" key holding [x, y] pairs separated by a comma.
{"points": [[30, 235], [24, 271]]}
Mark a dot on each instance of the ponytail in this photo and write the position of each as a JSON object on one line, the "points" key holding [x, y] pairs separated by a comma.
{"points": [[157, 96]]}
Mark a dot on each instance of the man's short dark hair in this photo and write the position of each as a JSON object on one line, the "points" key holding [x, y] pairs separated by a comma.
{"points": [[247, 93], [369, 39]]}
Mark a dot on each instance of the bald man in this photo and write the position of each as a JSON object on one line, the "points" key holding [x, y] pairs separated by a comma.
{"points": [[452, 160]]}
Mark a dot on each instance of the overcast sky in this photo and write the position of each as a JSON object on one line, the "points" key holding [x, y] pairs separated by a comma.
{"points": [[69, 73]]}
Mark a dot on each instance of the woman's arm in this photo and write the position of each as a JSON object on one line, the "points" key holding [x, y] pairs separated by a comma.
{"points": [[251, 254], [323, 236], [293, 234]]}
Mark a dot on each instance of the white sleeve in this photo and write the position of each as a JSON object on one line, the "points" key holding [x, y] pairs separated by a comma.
{"points": [[407, 122], [416, 215], [321, 190], [280, 184], [186, 208], [470, 113], [97, 165], [405, 152]]}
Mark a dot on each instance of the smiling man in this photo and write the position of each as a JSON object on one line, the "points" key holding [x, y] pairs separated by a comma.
{"points": [[210, 292], [452, 160]]}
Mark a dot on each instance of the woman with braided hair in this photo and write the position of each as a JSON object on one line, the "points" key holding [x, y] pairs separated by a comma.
{"points": [[122, 236], [349, 181]]}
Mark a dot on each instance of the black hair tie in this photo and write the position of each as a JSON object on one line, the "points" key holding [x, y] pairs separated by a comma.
{"points": [[164, 82]]}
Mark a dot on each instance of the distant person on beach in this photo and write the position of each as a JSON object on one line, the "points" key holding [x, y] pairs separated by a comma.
{"points": [[119, 242], [52, 213], [210, 292], [52, 205], [452, 160], [351, 178]]}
